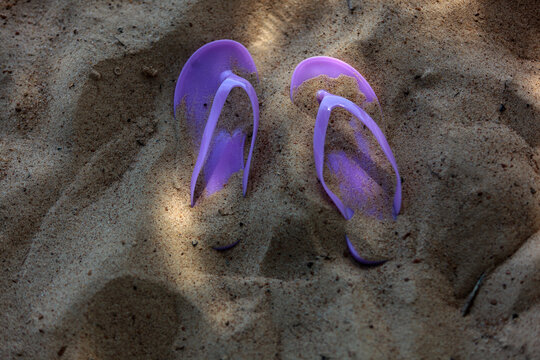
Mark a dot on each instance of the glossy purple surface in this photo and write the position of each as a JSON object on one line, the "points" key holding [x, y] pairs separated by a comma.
{"points": [[358, 188], [225, 158], [206, 80], [324, 65]]}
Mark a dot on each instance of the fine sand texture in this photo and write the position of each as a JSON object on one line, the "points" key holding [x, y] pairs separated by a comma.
{"points": [[102, 256]]}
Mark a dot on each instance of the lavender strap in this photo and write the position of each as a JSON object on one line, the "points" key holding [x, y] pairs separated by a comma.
{"points": [[328, 103], [230, 81]]}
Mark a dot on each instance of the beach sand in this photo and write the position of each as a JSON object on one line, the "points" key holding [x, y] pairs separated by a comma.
{"points": [[102, 256]]}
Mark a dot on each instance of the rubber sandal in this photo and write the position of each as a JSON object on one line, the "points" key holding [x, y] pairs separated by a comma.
{"points": [[331, 67], [208, 76]]}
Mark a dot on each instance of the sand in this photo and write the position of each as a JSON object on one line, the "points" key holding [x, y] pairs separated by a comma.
{"points": [[102, 256]]}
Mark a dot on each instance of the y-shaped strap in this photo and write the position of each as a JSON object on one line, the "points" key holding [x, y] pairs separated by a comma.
{"points": [[231, 81], [328, 102]]}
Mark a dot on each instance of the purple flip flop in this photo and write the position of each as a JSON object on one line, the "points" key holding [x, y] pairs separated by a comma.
{"points": [[322, 65], [208, 77]]}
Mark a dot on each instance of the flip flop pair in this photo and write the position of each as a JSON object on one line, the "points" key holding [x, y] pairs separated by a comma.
{"points": [[215, 69]]}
